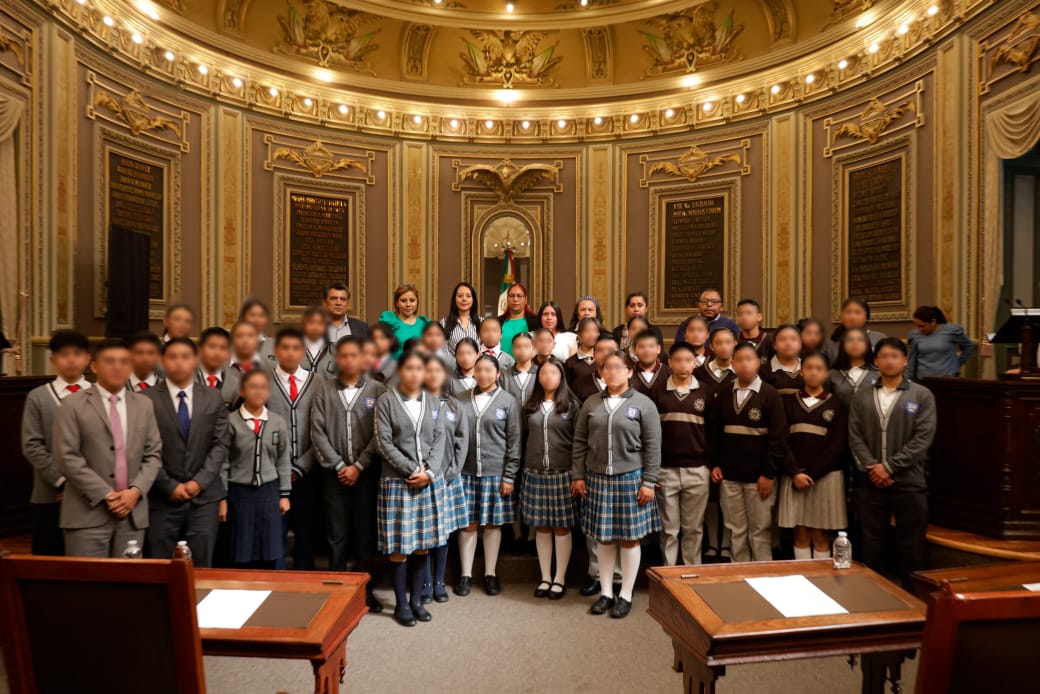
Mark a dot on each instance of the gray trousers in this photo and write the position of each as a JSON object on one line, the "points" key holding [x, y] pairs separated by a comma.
{"points": [[681, 500], [108, 540], [185, 521], [749, 519]]}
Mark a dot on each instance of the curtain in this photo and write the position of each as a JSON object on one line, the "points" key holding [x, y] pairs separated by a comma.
{"points": [[1010, 132], [11, 110]]}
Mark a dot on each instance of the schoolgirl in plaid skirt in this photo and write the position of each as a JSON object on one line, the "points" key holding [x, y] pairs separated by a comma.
{"points": [[616, 462]]}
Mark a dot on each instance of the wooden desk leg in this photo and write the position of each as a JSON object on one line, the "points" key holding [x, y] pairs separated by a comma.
{"points": [[879, 668], [698, 677], [328, 674]]}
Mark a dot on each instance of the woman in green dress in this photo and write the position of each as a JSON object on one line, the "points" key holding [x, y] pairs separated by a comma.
{"points": [[405, 318], [518, 316]]}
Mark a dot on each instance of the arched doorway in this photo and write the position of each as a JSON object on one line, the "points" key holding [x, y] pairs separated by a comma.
{"points": [[506, 231]]}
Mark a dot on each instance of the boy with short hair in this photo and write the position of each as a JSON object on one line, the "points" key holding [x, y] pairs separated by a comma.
{"points": [[245, 347], [145, 353], [749, 319], [70, 355], [717, 371], [648, 371], [319, 356], [214, 371], [491, 343]]}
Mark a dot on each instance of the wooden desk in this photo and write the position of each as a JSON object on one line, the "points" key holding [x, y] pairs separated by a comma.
{"points": [[729, 623], [976, 579], [277, 629]]}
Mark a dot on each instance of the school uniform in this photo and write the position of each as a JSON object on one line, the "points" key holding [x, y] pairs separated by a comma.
{"points": [[409, 435], [894, 429], [447, 358], [258, 473], [505, 361], [749, 442], [454, 513], [817, 435], [140, 385], [785, 382], [493, 456], [192, 423], [520, 384], [104, 442], [763, 344], [845, 383], [617, 449], [645, 380], [266, 350], [242, 366], [685, 480], [343, 433], [224, 382], [319, 359], [41, 405], [620, 334], [459, 384], [587, 385], [577, 365], [713, 376], [385, 370], [546, 500], [306, 490], [832, 347]]}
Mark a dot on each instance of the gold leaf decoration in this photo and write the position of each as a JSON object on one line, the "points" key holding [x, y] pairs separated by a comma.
{"points": [[509, 58], [328, 33], [317, 159], [135, 113], [1020, 46], [693, 163], [844, 8], [9, 45], [507, 179], [873, 122], [689, 40]]}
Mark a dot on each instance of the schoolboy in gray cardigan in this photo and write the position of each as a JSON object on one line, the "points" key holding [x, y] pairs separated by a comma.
{"points": [[406, 449], [633, 440], [495, 449], [343, 433]]}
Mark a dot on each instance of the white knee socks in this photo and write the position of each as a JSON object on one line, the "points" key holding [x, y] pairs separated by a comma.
{"points": [[803, 552], [492, 541], [563, 556], [629, 570], [606, 568], [467, 550], [544, 543], [822, 553]]}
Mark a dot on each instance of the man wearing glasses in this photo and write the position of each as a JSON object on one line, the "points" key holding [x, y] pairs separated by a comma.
{"points": [[710, 306]]}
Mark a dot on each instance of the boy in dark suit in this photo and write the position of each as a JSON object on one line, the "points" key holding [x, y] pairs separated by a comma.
{"points": [[107, 445], [145, 352], [70, 355], [214, 371], [192, 421]]}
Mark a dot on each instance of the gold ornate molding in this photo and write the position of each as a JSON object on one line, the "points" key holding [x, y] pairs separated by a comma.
{"points": [[695, 163], [597, 53], [1019, 49], [876, 119], [507, 179], [329, 34], [319, 160], [509, 58], [127, 107], [231, 14], [10, 45], [845, 8], [416, 51], [135, 113], [689, 40]]}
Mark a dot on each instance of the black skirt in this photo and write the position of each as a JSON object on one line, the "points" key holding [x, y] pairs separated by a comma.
{"points": [[254, 523]]}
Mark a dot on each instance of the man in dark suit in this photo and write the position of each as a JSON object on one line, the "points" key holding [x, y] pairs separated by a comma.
{"points": [[107, 445], [337, 303], [192, 421]]}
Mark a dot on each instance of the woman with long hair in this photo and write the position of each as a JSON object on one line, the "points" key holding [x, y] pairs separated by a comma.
{"points": [[855, 313], [586, 307], [550, 317], [463, 319], [518, 316], [404, 318], [937, 348]]}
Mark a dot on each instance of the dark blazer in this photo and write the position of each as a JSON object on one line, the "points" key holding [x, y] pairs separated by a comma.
{"points": [[358, 327], [201, 456]]}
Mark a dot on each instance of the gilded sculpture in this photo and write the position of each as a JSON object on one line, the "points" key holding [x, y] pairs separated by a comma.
{"points": [[689, 40], [509, 58], [328, 33], [843, 8], [317, 159], [1020, 47], [873, 121], [135, 113], [9, 45], [507, 179], [693, 163]]}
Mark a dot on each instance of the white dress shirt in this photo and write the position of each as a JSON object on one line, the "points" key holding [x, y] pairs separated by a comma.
{"points": [[743, 393], [887, 398], [547, 406], [413, 406], [175, 392], [135, 382], [314, 348], [522, 377], [250, 417], [283, 377], [61, 386], [120, 407], [219, 375], [856, 374], [613, 402], [600, 383], [810, 401], [566, 342], [348, 394], [717, 370], [254, 360], [481, 400]]}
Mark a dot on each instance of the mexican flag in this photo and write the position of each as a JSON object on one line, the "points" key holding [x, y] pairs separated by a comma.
{"points": [[508, 277]]}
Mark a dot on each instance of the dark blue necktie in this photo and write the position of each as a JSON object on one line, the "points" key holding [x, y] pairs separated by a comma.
{"points": [[182, 414]]}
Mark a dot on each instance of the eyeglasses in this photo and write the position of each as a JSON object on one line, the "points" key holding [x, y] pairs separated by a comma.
{"points": [[710, 302]]}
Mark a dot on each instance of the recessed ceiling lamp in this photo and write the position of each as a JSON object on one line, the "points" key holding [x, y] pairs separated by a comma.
{"points": [[489, 124], [108, 20], [273, 91], [308, 102], [507, 96], [842, 64], [873, 48], [323, 75], [137, 38], [146, 7], [453, 124], [690, 81], [380, 114], [509, 7], [343, 108], [417, 119], [634, 118], [436, 2], [598, 120], [741, 98], [584, 3], [775, 89], [903, 28], [668, 113], [810, 78], [933, 10], [708, 105], [561, 123], [82, 2], [525, 124], [203, 70], [237, 81]]}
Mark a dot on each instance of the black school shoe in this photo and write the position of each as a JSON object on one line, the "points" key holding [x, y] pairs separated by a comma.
{"points": [[427, 594], [491, 585], [372, 603], [540, 592], [421, 613], [557, 594], [405, 617], [602, 606], [621, 609], [463, 587], [592, 587], [440, 593]]}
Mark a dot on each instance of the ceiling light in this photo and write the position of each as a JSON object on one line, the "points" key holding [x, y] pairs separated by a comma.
{"points": [[873, 48], [741, 98], [137, 38], [669, 113], [597, 120], [507, 96], [417, 119], [525, 124], [237, 81], [108, 21], [810, 78], [775, 89], [308, 102], [380, 114], [842, 64], [203, 69], [561, 123], [584, 3], [82, 2], [343, 108], [489, 124], [454, 123], [436, 2], [933, 10], [509, 7], [169, 55], [324, 75], [902, 29], [691, 81], [633, 118], [272, 91], [708, 105]]}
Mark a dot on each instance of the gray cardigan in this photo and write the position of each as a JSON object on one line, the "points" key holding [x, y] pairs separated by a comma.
{"points": [[841, 385], [902, 445], [344, 435], [406, 449], [511, 383], [550, 439], [298, 416], [37, 429], [324, 367], [614, 443], [254, 463], [495, 437], [456, 437], [227, 385]]}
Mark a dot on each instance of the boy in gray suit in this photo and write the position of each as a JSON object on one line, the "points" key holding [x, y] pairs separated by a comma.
{"points": [[192, 421], [107, 445], [70, 354]]}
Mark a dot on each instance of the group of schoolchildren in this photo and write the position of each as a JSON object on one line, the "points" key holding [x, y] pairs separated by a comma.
{"points": [[232, 441]]}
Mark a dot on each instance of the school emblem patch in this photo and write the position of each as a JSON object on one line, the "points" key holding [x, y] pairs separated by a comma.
{"points": [[276, 437], [912, 407], [331, 368], [754, 414], [370, 403], [435, 414], [632, 413], [698, 404], [451, 416], [565, 415], [828, 415], [500, 413]]}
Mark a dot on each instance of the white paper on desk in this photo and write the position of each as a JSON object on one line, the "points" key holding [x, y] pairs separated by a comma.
{"points": [[229, 609], [795, 596], [1035, 587]]}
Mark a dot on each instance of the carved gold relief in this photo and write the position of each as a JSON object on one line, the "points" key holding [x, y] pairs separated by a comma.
{"points": [[328, 33], [416, 49], [509, 180], [315, 158], [844, 8], [695, 163], [873, 121], [509, 58], [878, 118], [597, 52], [9, 45], [1020, 47], [689, 40], [231, 13], [132, 110]]}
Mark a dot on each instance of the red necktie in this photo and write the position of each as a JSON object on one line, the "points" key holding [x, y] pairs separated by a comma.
{"points": [[212, 381], [74, 388], [248, 366], [293, 390], [489, 352], [257, 423], [142, 385]]}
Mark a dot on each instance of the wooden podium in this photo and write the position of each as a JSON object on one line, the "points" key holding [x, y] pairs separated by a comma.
{"points": [[984, 467]]}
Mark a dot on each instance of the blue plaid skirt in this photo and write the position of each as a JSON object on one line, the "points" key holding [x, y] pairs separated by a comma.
{"points": [[545, 501], [407, 518], [454, 514], [611, 512], [485, 504]]}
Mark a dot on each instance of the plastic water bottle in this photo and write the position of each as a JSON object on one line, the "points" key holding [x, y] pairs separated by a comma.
{"points": [[182, 551], [842, 551], [132, 551]]}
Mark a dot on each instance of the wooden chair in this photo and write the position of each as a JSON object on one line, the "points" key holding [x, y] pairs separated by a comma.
{"points": [[979, 642], [99, 625]]}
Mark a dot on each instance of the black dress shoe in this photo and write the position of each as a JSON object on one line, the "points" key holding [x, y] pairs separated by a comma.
{"points": [[621, 608], [491, 585], [540, 592], [373, 604], [557, 594], [404, 616], [602, 606], [617, 588], [427, 593], [421, 613], [463, 587], [440, 593], [592, 587]]}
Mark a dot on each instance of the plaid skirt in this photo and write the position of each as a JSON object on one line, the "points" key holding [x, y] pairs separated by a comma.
{"points": [[407, 518], [545, 501], [454, 514], [821, 506], [611, 512], [485, 504]]}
